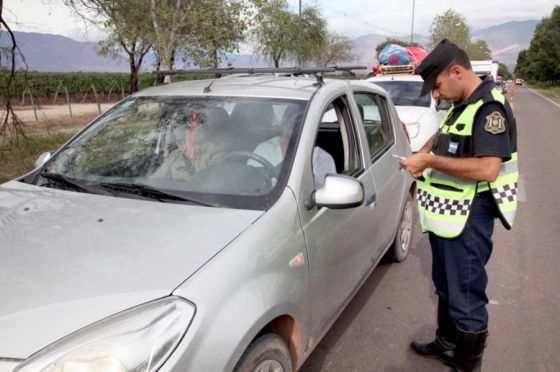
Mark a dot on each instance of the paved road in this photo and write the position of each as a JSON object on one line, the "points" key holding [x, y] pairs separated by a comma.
{"points": [[397, 303]]}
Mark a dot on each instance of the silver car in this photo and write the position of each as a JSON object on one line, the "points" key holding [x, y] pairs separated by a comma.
{"points": [[212, 225]]}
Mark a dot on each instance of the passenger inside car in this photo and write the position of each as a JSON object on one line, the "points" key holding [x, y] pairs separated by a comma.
{"points": [[275, 148]]}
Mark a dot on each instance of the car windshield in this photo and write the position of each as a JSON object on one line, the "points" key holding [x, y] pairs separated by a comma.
{"points": [[405, 93], [223, 151]]}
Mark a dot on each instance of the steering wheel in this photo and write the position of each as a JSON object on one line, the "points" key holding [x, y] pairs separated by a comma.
{"points": [[269, 169]]}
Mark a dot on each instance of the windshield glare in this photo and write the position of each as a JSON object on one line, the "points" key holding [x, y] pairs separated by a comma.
{"points": [[406, 93], [228, 151]]}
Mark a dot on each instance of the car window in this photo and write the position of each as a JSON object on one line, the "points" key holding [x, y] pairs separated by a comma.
{"points": [[405, 93], [237, 156], [376, 120], [337, 136]]}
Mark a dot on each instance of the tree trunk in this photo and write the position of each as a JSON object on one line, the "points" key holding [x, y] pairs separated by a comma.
{"points": [[133, 77], [215, 58]]}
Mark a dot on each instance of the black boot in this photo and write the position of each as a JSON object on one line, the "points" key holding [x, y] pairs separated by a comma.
{"points": [[470, 347], [443, 347]]}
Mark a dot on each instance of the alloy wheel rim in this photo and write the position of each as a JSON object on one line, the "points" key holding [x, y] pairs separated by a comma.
{"points": [[406, 227]]}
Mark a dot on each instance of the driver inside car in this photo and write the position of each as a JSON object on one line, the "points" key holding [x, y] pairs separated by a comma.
{"points": [[204, 142]]}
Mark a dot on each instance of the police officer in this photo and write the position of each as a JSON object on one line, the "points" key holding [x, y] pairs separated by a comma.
{"points": [[466, 177]]}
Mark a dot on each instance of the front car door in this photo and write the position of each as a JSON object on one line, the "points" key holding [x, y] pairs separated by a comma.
{"points": [[341, 247]]}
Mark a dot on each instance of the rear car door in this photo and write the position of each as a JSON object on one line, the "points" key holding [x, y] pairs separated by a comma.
{"points": [[388, 176]]}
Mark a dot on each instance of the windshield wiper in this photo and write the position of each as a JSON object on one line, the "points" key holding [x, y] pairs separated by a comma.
{"points": [[77, 185], [150, 192]]}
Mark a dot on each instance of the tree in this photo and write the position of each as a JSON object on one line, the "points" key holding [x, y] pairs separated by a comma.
{"points": [[479, 50], [522, 66], [220, 28], [541, 62], [11, 127], [275, 31], [128, 28], [312, 38], [503, 71], [278, 34], [336, 50], [453, 26], [450, 25], [171, 21]]}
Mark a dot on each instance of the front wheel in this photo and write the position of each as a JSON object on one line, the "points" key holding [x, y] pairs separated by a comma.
{"points": [[268, 353], [401, 245]]}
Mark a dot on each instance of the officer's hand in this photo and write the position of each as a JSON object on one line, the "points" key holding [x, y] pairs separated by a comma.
{"points": [[416, 164]]}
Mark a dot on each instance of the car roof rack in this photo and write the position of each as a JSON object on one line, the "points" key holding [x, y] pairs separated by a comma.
{"points": [[219, 72]]}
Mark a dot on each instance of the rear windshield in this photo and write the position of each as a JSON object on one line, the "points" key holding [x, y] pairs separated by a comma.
{"points": [[405, 93]]}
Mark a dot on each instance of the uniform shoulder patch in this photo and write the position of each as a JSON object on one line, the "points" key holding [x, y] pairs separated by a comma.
{"points": [[495, 123]]}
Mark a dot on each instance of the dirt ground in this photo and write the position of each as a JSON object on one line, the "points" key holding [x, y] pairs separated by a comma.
{"points": [[57, 119], [51, 112]]}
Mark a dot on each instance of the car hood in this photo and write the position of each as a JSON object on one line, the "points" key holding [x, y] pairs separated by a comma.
{"points": [[412, 114], [68, 259]]}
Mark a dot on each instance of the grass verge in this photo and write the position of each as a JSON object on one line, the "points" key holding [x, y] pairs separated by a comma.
{"points": [[18, 157], [551, 92]]}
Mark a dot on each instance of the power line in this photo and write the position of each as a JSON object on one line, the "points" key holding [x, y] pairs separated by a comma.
{"points": [[358, 19]]}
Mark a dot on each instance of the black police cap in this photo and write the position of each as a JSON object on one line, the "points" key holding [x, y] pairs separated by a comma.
{"points": [[436, 62]]}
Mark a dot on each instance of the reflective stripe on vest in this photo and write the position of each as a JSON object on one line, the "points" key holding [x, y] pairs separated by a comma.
{"points": [[444, 201]]}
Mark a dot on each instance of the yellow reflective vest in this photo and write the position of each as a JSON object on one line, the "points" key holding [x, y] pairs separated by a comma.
{"points": [[444, 201]]}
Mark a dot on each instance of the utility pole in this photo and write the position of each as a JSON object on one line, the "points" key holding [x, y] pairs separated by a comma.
{"points": [[300, 54], [412, 24]]}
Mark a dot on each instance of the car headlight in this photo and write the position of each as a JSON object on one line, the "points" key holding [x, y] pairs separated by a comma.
{"points": [[138, 339], [413, 129]]}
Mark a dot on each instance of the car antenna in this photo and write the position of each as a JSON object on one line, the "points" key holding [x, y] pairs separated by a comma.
{"points": [[207, 88]]}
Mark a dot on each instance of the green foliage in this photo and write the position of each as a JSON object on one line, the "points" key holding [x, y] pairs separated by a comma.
{"points": [[453, 26], [503, 71], [220, 28], [541, 62], [479, 50], [450, 25], [17, 157], [338, 49], [45, 84], [277, 36], [276, 31]]}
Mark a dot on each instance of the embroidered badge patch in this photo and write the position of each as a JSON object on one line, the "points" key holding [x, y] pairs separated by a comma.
{"points": [[495, 123]]}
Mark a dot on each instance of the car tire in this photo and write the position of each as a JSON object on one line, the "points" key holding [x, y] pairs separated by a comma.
{"points": [[267, 353], [401, 245]]}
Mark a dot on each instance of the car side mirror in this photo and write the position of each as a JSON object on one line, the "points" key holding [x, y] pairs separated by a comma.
{"points": [[442, 105], [42, 159], [339, 192]]}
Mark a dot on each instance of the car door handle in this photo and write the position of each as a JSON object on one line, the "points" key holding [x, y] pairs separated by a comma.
{"points": [[372, 200]]}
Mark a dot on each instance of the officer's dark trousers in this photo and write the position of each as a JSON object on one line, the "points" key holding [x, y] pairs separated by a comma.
{"points": [[458, 266]]}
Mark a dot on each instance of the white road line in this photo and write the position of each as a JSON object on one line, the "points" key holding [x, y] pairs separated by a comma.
{"points": [[548, 99]]}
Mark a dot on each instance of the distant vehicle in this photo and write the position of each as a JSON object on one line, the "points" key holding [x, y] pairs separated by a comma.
{"points": [[420, 114], [234, 257], [486, 67], [518, 81], [501, 85]]}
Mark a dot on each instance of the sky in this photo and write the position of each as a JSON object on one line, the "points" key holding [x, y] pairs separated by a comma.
{"points": [[350, 18]]}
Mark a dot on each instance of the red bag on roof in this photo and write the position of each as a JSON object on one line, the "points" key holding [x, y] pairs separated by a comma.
{"points": [[416, 54]]}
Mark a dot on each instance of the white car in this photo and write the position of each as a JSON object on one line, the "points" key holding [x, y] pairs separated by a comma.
{"points": [[421, 114]]}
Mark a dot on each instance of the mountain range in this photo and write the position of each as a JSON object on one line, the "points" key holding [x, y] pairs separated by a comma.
{"points": [[56, 53]]}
